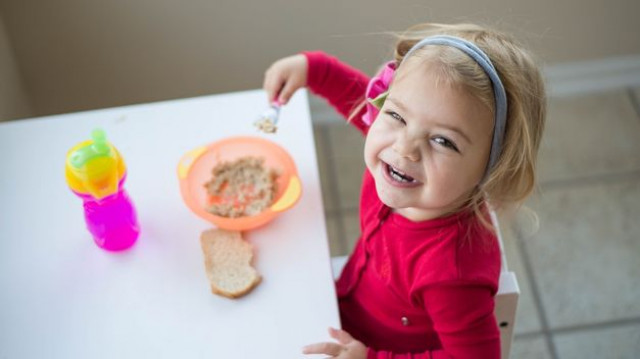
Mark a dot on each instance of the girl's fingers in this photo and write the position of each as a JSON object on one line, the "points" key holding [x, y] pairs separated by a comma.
{"points": [[327, 348], [272, 86], [284, 77], [341, 336], [287, 91]]}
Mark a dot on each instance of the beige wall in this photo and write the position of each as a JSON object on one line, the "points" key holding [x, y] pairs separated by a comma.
{"points": [[83, 54], [14, 102]]}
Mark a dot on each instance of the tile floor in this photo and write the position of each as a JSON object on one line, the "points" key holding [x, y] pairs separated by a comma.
{"points": [[579, 273]]}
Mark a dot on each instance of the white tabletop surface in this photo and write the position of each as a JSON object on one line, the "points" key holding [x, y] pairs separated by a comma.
{"points": [[63, 297]]}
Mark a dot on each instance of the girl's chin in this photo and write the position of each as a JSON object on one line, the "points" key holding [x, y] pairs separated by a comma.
{"points": [[391, 198], [405, 203]]}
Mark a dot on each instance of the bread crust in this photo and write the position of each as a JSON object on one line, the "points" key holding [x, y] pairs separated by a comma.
{"points": [[234, 295]]}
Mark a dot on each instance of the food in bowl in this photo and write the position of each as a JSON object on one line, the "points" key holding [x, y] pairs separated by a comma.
{"points": [[239, 188], [194, 170]]}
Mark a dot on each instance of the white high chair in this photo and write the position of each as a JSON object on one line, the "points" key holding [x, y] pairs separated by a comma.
{"points": [[506, 298]]}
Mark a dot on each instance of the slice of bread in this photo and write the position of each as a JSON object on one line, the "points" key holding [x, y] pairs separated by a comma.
{"points": [[227, 259]]}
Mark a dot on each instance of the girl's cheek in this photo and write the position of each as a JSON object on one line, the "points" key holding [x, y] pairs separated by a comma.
{"points": [[374, 133], [381, 129]]}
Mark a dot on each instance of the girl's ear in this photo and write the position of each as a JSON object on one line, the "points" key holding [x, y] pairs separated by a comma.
{"points": [[378, 102]]}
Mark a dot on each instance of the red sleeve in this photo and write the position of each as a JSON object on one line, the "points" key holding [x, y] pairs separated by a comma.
{"points": [[464, 320], [340, 84], [463, 316]]}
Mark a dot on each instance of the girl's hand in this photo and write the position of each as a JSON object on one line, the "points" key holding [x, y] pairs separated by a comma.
{"points": [[346, 348], [284, 77]]}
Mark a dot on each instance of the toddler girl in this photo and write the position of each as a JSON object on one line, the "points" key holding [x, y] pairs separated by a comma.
{"points": [[452, 126]]}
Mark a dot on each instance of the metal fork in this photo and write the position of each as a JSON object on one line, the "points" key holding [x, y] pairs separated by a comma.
{"points": [[268, 120]]}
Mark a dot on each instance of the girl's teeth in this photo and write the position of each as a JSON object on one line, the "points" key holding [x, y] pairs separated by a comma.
{"points": [[398, 171], [399, 175]]}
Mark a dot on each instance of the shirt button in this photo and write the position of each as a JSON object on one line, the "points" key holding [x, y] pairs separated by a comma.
{"points": [[405, 321]]}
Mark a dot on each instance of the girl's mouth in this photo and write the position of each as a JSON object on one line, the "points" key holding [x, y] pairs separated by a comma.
{"points": [[398, 178]]}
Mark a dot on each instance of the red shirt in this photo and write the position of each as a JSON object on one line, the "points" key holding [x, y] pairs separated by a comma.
{"points": [[411, 289]]}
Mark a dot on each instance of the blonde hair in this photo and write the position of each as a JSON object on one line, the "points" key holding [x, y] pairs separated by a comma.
{"points": [[513, 177]]}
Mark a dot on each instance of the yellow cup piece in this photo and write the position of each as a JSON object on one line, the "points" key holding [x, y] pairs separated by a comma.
{"points": [[99, 177]]}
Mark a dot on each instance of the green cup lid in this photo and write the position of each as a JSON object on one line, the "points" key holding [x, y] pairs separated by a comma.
{"points": [[99, 148]]}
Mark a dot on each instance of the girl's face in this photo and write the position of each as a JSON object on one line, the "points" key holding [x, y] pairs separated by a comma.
{"points": [[429, 146]]}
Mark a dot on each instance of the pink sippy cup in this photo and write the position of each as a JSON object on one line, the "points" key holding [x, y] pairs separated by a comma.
{"points": [[96, 173]]}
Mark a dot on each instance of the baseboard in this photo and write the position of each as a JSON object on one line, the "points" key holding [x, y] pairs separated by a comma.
{"points": [[575, 78], [565, 79]]}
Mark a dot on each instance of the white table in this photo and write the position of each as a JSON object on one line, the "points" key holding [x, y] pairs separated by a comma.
{"points": [[63, 297]]}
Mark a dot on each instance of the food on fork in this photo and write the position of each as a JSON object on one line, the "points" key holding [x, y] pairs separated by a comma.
{"points": [[241, 188], [266, 125], [227, 259], [268, 121]]}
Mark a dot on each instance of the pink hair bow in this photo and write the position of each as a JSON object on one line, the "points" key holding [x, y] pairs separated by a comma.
{"points": [[377, 90]]}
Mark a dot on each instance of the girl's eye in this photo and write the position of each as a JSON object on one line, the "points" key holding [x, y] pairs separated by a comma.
{"points": [[442, 141], [396, 116]]}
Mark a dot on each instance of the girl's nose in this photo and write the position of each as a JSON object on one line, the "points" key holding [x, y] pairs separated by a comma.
{"points": [[407, 147]]}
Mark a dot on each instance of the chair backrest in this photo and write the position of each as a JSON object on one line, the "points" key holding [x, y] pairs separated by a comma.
{"points": [[506, 298]]}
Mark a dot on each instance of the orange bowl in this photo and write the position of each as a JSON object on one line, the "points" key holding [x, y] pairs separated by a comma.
{"points": [[195, 167]]}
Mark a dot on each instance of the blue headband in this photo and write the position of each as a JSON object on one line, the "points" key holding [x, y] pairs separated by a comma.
{"points": [[498, 89]]}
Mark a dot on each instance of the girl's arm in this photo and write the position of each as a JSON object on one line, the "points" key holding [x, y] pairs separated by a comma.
{"points": [[463, 317], [340, 84]]}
